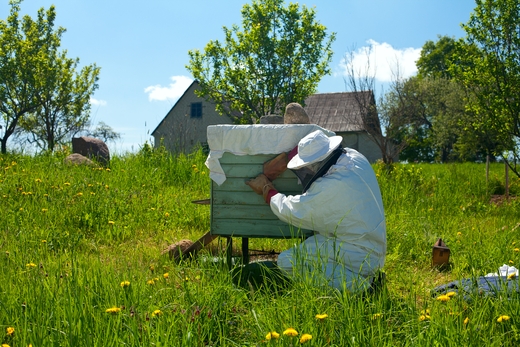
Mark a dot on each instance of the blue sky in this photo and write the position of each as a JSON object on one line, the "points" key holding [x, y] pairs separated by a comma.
{"points": [[141, 46]]}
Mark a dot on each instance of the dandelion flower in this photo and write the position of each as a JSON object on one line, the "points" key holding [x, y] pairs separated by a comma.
{"points": [[10, 331], [377, 316], [503, 318], [290, 332], [111, 222], [443, 298], [113, 310], [516, 249], [272, 335], [195, 170], [156, 313], [125, 284], [451, 294], [5, 345], [44, 210], [80, 194], [424, 317], [166, 214], [30, 265], [305, 338], [66, 183], [466, 320], [107, 169], [511, 262], [166, 275], [426, 312], [511, 276], [459, 234], [194, 166], [321, 316], [150, 282], [44, 241]]}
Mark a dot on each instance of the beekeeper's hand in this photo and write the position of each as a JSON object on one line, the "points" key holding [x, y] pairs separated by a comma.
{"points": [[260, 184], [276, 166]]}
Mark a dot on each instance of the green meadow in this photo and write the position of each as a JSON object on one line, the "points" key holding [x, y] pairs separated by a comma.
{"points": [[81, 262]]}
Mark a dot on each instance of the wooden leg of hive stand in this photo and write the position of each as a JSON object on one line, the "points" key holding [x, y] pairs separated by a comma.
{"points": [[229, 251], [245, 250]]}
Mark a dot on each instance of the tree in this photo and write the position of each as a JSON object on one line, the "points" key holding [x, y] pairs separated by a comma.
{"points": [[277, 57], [105, 132], [64, 100], [22, 43], [492, 74]]}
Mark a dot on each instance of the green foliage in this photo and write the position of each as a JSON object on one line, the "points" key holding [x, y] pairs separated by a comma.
{"points": [[277, 57], [40, 90], [492, 73], [68, 258]]}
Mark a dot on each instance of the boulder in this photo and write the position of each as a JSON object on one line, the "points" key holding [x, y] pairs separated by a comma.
{"points": [[78, 159], [177, 249], [91, 148], [295, 114]]}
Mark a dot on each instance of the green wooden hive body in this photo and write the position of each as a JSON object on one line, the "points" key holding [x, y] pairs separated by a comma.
{"points": [[237, 211]]}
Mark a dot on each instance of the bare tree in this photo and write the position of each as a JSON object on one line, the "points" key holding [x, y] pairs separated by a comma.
{"points": [[376, 124]]}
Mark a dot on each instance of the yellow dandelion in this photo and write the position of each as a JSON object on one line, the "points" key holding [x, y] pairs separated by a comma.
{"points": [[21, 209], [5, 345], [516, 249], [511, 276], [113, 310], [150, 282], [513, 243], [45, 195], [44, 210], [511, 262], [92, 193], [80, 194], [195, 170], [66, 184], [321, 316], [125, 284], [106, 186], [424, 317], [377, 316], [30, 265], [290, 332], [503, 318], [156, 313], [10, 331], [111, 222], [305, 338], [451, 294], [272, 335], [166, 215], [426, 312], [90, 185], [443, 298], [459, 234], [107, 169], [203, 173], [44, 241], [166, 275], [466, 321], [152, 268], [194, 166]]}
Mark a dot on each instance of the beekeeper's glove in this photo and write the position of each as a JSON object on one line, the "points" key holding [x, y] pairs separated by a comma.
{"points": [[276, 166], [261, 185]]}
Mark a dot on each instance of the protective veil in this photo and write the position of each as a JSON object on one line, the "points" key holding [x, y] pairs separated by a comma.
{"points": [[345, 209]]}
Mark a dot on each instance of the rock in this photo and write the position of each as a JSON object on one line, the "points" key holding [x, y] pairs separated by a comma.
{"points": [[78, 159], [271, 119], [176, 249], [91, 148], [295, 114]]}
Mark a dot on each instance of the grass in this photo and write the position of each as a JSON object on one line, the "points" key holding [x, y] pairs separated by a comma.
{"points": [[81, 261]]}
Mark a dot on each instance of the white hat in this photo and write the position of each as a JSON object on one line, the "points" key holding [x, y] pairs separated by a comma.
{"points": [[314, 147]]}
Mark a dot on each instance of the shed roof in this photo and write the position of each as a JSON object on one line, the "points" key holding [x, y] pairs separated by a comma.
{"points": [[339, 112]]}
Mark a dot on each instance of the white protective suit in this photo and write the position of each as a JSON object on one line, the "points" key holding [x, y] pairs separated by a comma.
{"points": [[345, 210]]}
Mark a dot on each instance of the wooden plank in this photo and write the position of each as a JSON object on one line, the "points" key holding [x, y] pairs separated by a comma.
{"points": [[257, 228], [251, 212], [229, 158], [234, 184]]}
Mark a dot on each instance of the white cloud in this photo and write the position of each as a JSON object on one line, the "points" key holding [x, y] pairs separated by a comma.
{"points": [[385, 61], [173, 91], [96, 102]]}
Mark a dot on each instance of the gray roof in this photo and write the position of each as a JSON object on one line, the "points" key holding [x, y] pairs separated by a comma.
{"points": [[339, 112]]}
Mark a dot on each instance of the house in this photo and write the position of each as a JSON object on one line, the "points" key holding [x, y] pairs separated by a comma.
{"points": [[185, 124]]}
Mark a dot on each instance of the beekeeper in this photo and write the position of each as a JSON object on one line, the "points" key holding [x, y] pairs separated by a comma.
{"points": [[341, 202]]}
